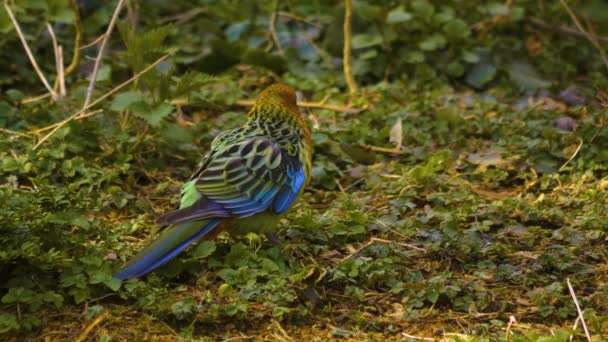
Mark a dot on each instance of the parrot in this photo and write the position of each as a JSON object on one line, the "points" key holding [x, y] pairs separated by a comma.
{"points": [[246, 183]]}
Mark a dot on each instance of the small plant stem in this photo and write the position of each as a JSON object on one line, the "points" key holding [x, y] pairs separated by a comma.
{"points": [[348, 74]]}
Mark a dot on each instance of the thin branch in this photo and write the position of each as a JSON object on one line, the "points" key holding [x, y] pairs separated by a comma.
{"points": [[97, 40], [272, 33], [181, 18], [591, 37], [81, 113], [93, 80], [578, 309], [348, 74], [28, 51], [381, 149], [8, 131], [298, 18], [35, 98], [560, 29]]}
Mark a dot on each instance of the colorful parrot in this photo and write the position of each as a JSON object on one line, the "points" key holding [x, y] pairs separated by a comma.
{"points": [[247, 182]]}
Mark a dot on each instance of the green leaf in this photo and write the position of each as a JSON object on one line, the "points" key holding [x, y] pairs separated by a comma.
{"points": [[144, 47], [414, 57], [122, 101], [260, 57], [456, 28], [398, 15], [8, 322], [364, 40], [192, 81], [433, 42], [269, 266], [480, 75], [470, 57], [18, 295], [113, 284], [93, 311], [239, 255], [53, 298], [204, 249], [455, 69], [423, 9], [103, 74], [526, 77], [152, 114], [495, 8]]}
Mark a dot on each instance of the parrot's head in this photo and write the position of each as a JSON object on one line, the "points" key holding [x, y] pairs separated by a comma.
{"points": [[280, 92], [278, 99]]}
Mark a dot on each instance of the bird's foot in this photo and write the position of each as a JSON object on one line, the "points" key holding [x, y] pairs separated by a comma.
{"points": [[273, 239]]}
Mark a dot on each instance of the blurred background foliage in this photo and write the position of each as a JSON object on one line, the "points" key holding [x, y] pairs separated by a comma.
{"points": [[484, 103]]}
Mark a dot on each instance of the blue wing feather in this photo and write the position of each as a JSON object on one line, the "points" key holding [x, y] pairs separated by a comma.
{"points": [[287, 195]]}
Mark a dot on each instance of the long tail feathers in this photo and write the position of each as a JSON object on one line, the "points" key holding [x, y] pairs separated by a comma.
{"points": [[169, 244]]}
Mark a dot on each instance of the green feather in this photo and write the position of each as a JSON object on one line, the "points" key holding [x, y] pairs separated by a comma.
{"points": [[189, 194]]}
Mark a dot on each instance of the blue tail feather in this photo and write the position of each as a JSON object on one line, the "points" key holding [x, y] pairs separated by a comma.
{"points": [[153, 255]]}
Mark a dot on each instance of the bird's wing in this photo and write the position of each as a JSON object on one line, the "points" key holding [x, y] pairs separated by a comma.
{"points": [[244, 178]]}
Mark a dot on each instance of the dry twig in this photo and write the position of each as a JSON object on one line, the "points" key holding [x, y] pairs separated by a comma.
{"points": [[578, 309], [28, 51], [102, 47], [58, 51], [8, 131], [588, 34], [373, 148]]}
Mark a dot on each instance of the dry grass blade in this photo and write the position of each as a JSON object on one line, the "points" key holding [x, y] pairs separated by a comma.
{"points": [[578, 148], [92, 326]]}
